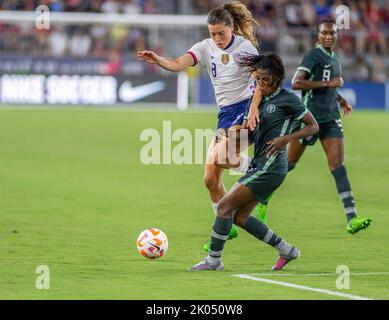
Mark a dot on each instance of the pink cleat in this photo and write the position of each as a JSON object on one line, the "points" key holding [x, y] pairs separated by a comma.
{"points": [[283, 260]]}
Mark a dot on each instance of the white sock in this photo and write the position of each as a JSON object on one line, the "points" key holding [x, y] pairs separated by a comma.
{"points": [[284, 248], [215, 206], [213, 260], [244, 164]]}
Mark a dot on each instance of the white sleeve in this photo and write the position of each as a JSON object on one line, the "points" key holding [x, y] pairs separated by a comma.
{"points": [[247, 47], [197, 52]]}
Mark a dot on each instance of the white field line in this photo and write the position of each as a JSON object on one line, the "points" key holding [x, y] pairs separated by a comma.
{"points": [[318, 274], [306, 288]]}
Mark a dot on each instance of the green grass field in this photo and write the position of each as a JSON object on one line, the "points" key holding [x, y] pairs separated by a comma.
{"points": [[74, 196]]}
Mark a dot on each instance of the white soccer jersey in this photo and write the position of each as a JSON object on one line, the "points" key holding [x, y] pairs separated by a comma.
{"points": [[230, 82]]}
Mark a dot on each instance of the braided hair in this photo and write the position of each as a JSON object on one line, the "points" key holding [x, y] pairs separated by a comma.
{"points": [[266, 61]]}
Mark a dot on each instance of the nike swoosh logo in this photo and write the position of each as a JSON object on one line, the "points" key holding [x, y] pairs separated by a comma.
{"points": [[128, 93], [327, 66], [155, 246]]}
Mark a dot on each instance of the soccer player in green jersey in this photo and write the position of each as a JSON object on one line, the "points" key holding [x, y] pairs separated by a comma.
{"points": [[319, 77], [278, 109]]}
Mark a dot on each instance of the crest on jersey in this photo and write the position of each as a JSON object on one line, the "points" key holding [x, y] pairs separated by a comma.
{"points": [[225, 58], [271, 108]]}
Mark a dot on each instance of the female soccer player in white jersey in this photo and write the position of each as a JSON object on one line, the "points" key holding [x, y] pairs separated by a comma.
{"points": [[231, 28]]}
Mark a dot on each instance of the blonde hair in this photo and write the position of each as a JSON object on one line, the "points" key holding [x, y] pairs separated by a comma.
{"points": [[235, 14]]}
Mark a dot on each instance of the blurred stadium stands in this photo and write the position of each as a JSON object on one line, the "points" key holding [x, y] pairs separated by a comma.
{"points": [[288, 27]]}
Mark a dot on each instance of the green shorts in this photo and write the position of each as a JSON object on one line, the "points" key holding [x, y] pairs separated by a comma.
{"points": [[262, 183], [327, 130]]}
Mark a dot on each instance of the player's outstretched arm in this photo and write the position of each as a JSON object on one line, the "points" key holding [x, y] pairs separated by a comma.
{"points": [[299, 82], [170, 64]]}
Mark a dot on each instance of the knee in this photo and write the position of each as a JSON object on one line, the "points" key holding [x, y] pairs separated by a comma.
{"points": [[211, 181], [224, 210]]}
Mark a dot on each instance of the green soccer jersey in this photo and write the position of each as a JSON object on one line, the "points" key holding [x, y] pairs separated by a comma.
{"points": [[277, 114], [321, 66]]}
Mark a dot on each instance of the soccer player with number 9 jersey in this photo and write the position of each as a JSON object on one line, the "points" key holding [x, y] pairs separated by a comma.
{"points": [[319, 77]]}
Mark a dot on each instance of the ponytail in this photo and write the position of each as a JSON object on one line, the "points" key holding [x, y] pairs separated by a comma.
{"points": [[235, 14]]}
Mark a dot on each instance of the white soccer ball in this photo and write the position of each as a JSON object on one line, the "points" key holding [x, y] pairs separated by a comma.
{"points": [[152, 243]]}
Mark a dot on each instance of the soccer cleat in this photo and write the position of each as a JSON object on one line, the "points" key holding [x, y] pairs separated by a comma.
{"points": [[358, 223], [232, 235], [205, 265], [261, 212], [283, 260]]}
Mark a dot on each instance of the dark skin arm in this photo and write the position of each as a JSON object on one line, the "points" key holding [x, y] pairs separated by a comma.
{"points": [[300, 82], [345, 105], [253, 115], [277, 144]]}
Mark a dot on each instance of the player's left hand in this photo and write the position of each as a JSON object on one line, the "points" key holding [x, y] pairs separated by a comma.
{"points": [[276, 145], [347, 107]]}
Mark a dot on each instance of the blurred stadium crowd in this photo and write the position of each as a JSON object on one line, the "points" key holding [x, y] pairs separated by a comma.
{"points": [[104, 6], [287, 26]]}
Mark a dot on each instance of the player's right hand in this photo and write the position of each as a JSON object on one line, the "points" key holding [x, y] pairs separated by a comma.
{"points": [[253, 118], [346, 106], [148, 56], [336, 82]]}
